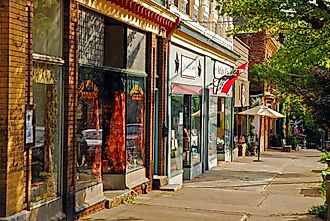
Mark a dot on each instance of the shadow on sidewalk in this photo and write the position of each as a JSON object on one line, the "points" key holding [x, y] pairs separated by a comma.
{"points": [[303, 218], [122, 219]]}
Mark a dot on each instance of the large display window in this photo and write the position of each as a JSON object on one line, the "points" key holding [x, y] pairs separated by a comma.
{"points": [[46, 151], [220, 127], [135, 133], [195, 135], [111, 116], [228, 123], [124, 123], [186, 130], [213, 134], [176, 139], [90, 127]]}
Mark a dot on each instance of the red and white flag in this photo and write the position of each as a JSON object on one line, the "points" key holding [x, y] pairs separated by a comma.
{"points": [[226, 87]]}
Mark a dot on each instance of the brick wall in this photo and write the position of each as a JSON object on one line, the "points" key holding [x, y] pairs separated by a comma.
{"points": [[4, 63], [28, 94], [91, 37], [70, 73], [257, 44], [162, 82], [13, 46], [150, 92]]}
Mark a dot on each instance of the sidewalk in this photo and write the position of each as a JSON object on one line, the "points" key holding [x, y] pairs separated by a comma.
{"points": [[282, 187]]}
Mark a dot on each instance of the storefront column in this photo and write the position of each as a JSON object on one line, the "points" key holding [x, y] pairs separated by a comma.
{"points": [[13, 48], [162, 73], [70, 73], [150, 99]]}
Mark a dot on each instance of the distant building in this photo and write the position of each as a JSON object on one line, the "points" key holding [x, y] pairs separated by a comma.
{"points": [[262, 46]]}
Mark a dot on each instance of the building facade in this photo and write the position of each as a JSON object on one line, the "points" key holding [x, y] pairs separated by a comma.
{"points": [[81, 82], [262, 46], [200, 121], [242, 101], [102, 95]]}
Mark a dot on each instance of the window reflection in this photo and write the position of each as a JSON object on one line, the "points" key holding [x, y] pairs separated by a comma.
{"points": [[135, 147], [114, 123], [195, 129], [46, 151], [89, 116], [47, 31], [213, 134], [176, 146]]}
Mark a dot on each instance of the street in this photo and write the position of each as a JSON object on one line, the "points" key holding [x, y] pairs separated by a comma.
{"points": [[282, 187]]}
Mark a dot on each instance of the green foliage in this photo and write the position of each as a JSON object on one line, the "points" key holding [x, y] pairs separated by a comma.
{"points": [[319, 211], [128, 199], [300, 68], [324, 157], [249, 150], [251, 126]]}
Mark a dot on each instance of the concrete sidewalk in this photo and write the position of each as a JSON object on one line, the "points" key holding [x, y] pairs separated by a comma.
{"points": [[282, 187]]}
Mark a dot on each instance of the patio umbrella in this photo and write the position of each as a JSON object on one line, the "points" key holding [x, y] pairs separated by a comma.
{"points": [[262, 111]]}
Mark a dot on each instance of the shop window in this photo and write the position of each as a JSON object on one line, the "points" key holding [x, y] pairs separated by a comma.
{"points": [[47, 27], [221, 128], [195, 136], [213, 134], [135, 144], [114, 123], [177, 140], [89, 129], [186, 130], [46, 151], [228, 125]]}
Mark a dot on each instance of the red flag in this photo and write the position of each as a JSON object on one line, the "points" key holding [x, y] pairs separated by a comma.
{"points": [[230, 82]]}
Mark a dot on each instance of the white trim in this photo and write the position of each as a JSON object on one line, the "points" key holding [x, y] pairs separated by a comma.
{"points": [[182, 43], [43, 203], [202, 30], [48, 59]]}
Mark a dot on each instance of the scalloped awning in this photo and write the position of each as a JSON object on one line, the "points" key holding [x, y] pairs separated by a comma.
{"points": [[146, 13]]}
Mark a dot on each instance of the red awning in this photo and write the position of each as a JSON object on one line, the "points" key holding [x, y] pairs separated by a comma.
{"points": [[185, 89], [146, 13]]}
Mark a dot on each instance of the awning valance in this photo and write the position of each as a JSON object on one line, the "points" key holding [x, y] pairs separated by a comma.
{"points": [[147, 13]]}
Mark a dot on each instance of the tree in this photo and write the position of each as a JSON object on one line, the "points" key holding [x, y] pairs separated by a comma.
{"points": [[301, 66]]}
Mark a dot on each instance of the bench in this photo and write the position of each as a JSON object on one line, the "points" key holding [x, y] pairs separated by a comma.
{"points": [[285, 147]]}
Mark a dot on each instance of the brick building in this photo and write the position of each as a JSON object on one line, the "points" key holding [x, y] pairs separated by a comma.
{"points": [[80, 81], [262, 46]]}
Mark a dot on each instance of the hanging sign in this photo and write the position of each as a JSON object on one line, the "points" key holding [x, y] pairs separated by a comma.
{"points": [[221, 74], [189, 68], [136, 93], [88, 90]]}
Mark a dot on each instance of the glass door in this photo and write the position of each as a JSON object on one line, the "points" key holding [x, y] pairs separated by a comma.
{"points": [[186, 130]]}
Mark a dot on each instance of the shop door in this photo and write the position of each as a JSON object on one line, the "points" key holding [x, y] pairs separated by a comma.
{"points": [[186, 130]]}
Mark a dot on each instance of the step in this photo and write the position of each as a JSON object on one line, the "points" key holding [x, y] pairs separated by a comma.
{"points": [[159, 181], [115, 198], [171, 187]]}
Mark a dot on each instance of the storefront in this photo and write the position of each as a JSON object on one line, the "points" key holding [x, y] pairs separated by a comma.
{"points": [[111, 105], [220, 112], [242, 100], [44, 111], [78, 114], [117, 95], [186, 73]]}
